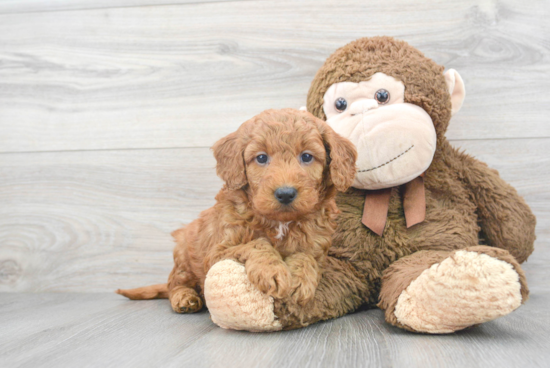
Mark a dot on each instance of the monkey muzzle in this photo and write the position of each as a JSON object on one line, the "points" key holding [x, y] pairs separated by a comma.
{"points": [[395, 143]]}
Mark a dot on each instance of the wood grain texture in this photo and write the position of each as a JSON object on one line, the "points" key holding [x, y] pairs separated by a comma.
{"points": [[35, 6], [106, 110], [105, 330], [106, 216], [182, 76], [99, 220]]}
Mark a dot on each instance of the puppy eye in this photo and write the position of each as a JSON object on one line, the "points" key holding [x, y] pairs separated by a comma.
{"points": [[341, 104], [306, 157], [262, 159], [382, 96]]}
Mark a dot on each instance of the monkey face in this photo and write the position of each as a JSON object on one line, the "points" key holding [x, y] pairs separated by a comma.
{"points": [[395, 140]]}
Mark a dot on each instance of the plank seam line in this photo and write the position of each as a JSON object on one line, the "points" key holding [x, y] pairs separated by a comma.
{"points": [[124, 7], [495, 139], [106, 150], [201, 147]]}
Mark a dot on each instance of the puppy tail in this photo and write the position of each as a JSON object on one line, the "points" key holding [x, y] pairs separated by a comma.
{"points": [[159, 291]]}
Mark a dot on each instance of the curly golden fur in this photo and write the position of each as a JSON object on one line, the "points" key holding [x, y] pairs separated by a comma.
{"points": [[283, 246]]}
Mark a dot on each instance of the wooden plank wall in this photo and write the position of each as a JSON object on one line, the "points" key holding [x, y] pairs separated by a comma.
{"points": [[107, 110]]}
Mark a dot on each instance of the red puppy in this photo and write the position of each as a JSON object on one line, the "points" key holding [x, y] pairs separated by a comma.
{"points": [[275, 214]]}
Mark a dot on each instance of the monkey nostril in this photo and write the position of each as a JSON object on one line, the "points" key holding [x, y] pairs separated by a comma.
{"points": [[286, 195]]}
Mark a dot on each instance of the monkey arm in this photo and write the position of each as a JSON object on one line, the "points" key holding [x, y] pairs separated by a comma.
{"points": [[506, 220], [341, 290], [234, 301]]}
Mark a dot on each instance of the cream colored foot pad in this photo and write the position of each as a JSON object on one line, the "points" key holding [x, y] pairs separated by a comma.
{"points": [[234, 303], [465, 289]]}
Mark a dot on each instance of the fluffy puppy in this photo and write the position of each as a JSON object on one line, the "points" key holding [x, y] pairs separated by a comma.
{"points": [[275, 213]]}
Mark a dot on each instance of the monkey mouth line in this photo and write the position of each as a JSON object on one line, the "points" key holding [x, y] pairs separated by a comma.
{"points": [[385, 163]]}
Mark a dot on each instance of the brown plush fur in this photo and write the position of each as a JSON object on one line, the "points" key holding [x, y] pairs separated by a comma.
{"points": [[245, 223], [467, 203]]}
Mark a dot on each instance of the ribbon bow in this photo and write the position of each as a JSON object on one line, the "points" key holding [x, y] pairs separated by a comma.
{"points": [[377, 202]]}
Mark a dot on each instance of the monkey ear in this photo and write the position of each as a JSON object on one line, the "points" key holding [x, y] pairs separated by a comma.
{"points": [[228, 152], [343, 157], [455, 85]]}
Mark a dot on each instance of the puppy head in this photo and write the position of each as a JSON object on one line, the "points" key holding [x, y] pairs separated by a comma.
{"points": [[288, 161]]}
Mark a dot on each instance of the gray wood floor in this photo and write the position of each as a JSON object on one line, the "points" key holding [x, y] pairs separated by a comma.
{"points": [[107, 113], [102, 330]]}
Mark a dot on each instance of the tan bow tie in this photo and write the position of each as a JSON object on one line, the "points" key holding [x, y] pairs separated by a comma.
{"points": [[377, 202]]}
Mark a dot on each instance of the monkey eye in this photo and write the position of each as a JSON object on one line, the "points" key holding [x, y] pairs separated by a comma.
{"points": [[340, 104], [306, 157], [262, 158], [382, 96]]}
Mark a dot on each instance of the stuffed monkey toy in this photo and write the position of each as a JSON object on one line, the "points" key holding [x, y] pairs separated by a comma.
{"points": [[427, 233]]}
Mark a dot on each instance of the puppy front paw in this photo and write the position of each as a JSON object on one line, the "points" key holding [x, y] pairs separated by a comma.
{"points": [[306, 276], [304, 292], [273, 278]]}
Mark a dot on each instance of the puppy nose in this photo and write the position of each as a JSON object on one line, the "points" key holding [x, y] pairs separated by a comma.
{"points": [[285, 195], [362, 106]]}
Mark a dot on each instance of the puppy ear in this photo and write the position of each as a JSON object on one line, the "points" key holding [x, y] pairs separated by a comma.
{"points": [[228, 152], [343, 156]]}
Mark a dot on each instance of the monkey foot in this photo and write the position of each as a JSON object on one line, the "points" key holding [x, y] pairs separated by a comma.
{"points": [[234, 303], [463, 290]]}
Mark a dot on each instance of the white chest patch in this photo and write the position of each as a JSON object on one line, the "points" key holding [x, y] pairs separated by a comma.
{"points": [[282, 230]]}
